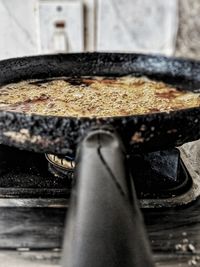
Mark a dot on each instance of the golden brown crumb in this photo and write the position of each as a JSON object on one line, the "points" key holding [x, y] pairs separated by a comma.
{"points": [[94, 97]]}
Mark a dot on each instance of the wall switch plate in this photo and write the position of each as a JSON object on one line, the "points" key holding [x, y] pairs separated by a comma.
{"points": [[61, 27]]}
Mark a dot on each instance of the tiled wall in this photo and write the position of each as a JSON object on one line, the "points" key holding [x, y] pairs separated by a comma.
{"points": [[17, 28], [147, 26]]}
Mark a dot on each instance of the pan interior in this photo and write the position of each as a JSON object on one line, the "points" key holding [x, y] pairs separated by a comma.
{"points": [[94, 97]]}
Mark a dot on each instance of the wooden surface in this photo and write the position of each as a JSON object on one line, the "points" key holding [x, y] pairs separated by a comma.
{"points": [[33, 236]]}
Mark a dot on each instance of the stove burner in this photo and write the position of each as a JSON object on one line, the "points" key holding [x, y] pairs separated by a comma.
{"points": [[160, 174], [61, 167], [162, 179], [65, 163]]}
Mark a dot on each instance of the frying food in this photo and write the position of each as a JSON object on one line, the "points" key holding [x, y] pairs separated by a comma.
{"points": [[94, 97]]}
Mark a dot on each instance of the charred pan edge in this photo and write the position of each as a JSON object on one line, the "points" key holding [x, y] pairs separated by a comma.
{"points": [[179, 72], [58, 135]]}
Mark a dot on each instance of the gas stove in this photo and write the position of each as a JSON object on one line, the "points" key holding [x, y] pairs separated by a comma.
{"points": [[35, 191], [162, 178]]}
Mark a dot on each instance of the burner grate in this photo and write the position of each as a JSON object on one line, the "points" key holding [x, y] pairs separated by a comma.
{"points": [[32, 180], [61, 167]]}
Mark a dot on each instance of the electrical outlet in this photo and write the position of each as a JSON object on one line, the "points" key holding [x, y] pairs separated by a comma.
{"points": [[61, 26]]}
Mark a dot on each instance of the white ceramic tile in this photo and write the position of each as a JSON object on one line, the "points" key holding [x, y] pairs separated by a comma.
{"points": [[18, 29], [23, 33], [148, 26]]}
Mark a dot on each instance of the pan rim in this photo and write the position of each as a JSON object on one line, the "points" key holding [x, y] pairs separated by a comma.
{"points": [[62, 134], [160, 114]]}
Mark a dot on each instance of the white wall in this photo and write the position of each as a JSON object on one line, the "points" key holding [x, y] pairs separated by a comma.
{"points": [[27, 26], [18, 30], [147, 26]]}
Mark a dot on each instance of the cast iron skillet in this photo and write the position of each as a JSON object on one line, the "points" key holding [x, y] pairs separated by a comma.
{"points": [[59, 135], [104, 225]]}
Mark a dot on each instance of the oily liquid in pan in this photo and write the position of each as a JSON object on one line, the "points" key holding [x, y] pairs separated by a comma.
{"points": [[94, 97]]}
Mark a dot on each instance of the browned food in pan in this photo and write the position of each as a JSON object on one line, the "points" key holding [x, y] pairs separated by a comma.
{"points": [[94, 97]]}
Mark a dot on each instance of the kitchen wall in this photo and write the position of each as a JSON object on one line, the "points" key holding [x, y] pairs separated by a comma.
{"points": [[29, 27], [134, 25], [188, 39], [18, 28]]}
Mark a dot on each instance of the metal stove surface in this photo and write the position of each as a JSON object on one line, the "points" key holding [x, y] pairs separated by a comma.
{"points": [[25, 181], [31, 234]]}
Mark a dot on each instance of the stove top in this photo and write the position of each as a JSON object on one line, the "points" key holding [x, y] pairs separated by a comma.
{"points": [[35, 235], [29, 179], [25, 175]]}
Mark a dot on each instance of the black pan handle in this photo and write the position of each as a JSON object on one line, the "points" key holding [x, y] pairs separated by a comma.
{"points": [[104, 224]]}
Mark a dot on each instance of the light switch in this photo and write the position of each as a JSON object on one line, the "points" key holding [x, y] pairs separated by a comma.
{"points": [[61, 26]]}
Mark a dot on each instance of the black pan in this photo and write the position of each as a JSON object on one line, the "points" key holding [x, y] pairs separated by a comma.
{"points": [[60, 135], [104, 226]]}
